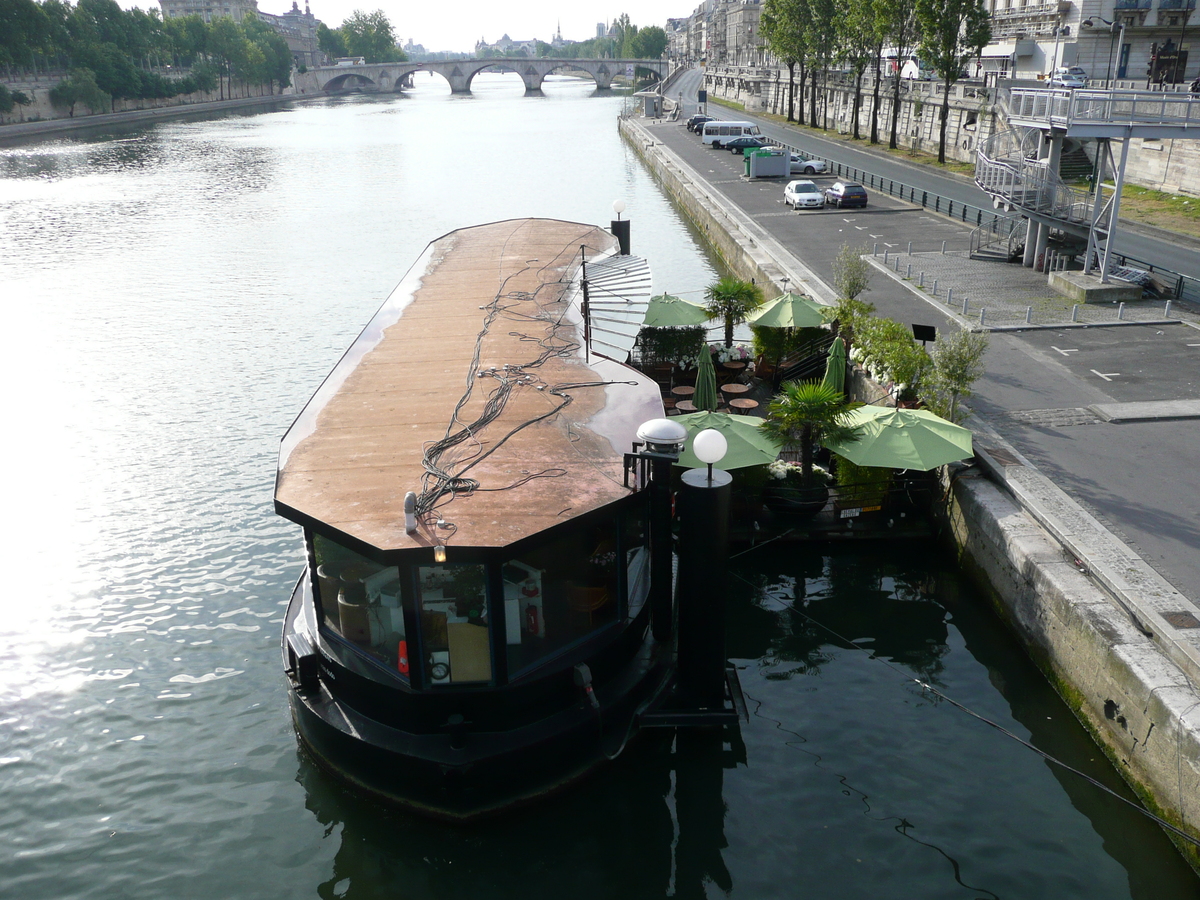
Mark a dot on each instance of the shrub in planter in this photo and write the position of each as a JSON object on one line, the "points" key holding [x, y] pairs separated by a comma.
{"points": [[670, 346]]}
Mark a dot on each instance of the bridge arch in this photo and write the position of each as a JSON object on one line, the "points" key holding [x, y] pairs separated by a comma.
{"points": [[350, 81]]}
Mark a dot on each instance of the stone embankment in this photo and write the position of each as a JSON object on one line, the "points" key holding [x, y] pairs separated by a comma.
{"points": [[1107, 631], [46, 120]]}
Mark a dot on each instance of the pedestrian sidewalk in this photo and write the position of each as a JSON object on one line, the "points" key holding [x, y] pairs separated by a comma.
{"points": [[995, 296]]}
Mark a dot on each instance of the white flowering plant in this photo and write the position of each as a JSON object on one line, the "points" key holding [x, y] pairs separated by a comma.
{"points": [[791, 474]]}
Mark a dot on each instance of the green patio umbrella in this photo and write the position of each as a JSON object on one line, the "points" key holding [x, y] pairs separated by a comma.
{"points": [[705, 396], [748, 444], [666, 311], [903, 439], [788, 311], [835, 365]]}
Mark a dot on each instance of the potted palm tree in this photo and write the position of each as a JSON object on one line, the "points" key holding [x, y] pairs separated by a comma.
{"points": [[802, 415], [731, 299]]}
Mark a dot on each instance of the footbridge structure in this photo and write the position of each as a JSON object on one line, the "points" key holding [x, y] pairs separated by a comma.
{"points": [[391, 77], [1019, 167]]}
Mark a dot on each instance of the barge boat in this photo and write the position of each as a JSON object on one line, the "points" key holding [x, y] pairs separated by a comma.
{"points": [[474, 624]]}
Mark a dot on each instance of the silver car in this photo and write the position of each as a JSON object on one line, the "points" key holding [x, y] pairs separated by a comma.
{"points": [[802, 166], [803, 195]]}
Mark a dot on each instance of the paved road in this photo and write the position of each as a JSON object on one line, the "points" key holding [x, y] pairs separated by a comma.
{"points": [[1142, 479], [1164, 253]]}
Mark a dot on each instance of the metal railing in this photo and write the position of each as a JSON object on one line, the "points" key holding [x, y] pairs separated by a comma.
{"points": [[1000, 235], [1064, 108]]}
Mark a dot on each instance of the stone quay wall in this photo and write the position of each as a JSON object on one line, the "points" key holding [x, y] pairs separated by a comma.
{"points": [[1138, 703]]}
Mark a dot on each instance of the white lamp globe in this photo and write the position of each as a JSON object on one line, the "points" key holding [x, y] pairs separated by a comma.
{"points": [[618, 206], [710, 446]]}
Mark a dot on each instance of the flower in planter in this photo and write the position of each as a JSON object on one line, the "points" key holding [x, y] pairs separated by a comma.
{"points": [[791, 474]]}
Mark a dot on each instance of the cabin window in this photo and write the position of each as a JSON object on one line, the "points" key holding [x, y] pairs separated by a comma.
{"points": [[560, 593], [455, 637], [359, 601]]}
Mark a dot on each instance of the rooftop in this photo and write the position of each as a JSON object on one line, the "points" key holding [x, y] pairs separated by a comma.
{"points": [[543, 438]]}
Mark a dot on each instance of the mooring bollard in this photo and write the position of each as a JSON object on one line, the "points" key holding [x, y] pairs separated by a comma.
{"points": [[1075, 313], [1029, 315], [1121, 311]]}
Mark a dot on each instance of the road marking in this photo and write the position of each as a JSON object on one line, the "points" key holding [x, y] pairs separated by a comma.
{"points": [[862, 228], [875, 236], [1194, 345], [1065, 352], [1105, 377]]}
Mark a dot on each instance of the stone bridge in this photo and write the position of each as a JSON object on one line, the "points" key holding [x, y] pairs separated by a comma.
{"points": [[388, 77]]}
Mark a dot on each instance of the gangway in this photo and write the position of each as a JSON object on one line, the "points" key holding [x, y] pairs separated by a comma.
{"points": [[1018, 167]]}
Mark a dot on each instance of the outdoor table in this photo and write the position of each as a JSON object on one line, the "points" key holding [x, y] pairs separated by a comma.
{"points": [[683, 391], [734, 365], [743, 405], [734, 388], [686, 406]]}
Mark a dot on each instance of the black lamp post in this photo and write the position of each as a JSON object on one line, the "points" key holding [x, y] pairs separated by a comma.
{"points": [[1113, 27]]}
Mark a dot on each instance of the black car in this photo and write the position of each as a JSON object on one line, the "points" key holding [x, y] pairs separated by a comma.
{"points": [[740, 145], [694, 123], [845, 193]]}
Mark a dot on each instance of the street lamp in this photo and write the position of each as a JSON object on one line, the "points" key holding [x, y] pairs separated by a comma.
{"points": [[1061, 31], [1113, 28]]}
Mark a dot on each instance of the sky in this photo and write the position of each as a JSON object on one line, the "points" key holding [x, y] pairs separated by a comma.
{"points": [[459, 24]]}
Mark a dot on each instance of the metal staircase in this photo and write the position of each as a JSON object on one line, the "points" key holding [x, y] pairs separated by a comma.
{"points": [[1019, 167]]}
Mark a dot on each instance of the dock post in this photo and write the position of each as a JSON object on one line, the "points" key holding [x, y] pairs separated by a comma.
{"points": [[703, 503]]}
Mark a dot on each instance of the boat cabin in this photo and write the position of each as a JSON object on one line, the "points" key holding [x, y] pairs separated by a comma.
{"points": [[474, 610]]}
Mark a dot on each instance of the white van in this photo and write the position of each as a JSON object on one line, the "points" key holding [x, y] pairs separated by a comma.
{"points": [[718, 133]]}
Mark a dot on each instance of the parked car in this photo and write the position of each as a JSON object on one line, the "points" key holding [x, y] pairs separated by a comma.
{"points": [[802, 166], [742, 144], [804, 194], [845, 193], [697, 120], [1068, 77]]}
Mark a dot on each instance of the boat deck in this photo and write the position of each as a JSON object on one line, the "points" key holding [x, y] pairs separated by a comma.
{"points": [[543, 437]]}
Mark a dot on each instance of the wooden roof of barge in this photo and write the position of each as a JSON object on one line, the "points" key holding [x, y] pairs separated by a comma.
{"points": [[478, 299]]}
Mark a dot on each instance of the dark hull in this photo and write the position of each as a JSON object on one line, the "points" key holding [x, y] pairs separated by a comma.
{"points": [[469, 773]]}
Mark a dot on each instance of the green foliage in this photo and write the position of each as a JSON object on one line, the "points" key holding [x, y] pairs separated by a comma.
{"points": [[651, 43], [952, 32], [957, 363], [862, 485], [6, 100], [806, 413], [79, 87], [731, 300], [331, 41], [774, 344], [851, 272], [674, 346], [370, 35], [887, 350]]}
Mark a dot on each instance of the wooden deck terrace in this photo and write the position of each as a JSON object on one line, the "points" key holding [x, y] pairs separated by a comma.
{"points": [[478, 300]]}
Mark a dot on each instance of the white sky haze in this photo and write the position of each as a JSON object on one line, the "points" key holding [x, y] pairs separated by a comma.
{"points": [[458, 24]]}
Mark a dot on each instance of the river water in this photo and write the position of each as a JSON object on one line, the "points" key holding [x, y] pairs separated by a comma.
{"points": [[172, 294]]}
